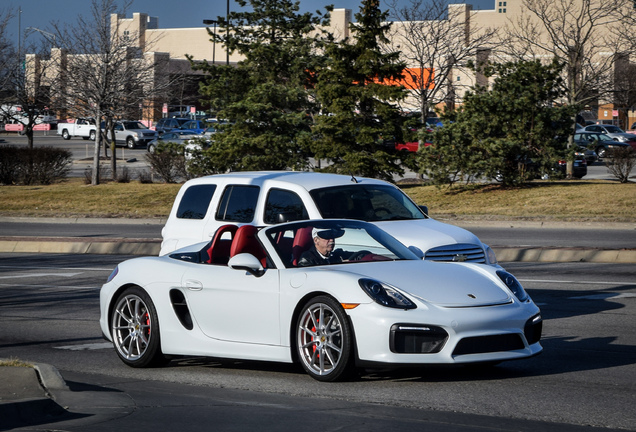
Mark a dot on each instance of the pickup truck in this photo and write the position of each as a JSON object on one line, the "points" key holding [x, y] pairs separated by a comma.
{"points": [[81, 127]]}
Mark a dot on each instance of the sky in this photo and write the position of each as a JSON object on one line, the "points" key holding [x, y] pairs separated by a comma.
{"points": [[171, 13]]}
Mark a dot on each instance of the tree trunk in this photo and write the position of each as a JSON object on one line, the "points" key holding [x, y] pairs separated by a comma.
{"points": [[98, 144]]}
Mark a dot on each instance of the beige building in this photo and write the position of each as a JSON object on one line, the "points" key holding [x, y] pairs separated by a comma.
{"points": [[168, 48]]}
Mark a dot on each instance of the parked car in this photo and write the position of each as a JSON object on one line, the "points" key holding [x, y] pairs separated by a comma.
{"points": [[267, 198], [599, 142], [169, 124], [612, 131], [587, 153], [178, 137], [579, 165], [132, 133], [244, 295], [195, 126]]}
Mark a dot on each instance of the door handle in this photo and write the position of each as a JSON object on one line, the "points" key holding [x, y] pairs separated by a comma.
{"points": [[193, 285]]}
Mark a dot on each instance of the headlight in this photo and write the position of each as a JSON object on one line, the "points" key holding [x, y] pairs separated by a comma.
{"points": [[490, 255], [113, 274], [513, 284], [385, 295]]}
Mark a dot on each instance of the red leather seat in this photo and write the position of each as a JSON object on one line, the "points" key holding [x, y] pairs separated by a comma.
{"points": [[218, 251], [245, 241], [302, 242]]}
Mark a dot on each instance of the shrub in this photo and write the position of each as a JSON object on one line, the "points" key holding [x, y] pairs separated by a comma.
{"points": [[620, 163], [144, 177], [169, 162], [30, 166]]}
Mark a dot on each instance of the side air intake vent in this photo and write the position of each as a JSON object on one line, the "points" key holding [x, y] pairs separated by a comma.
{"points": [[180, 307]]}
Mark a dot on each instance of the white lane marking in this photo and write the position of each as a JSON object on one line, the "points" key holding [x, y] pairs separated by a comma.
{"points": [[86, 347], [604, 296], [576, 282], [55, 268], [40, 275]]}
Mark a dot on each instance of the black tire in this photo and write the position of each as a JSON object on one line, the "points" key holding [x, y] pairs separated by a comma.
{"points": [[92, 135], [324, 340], [135, 329], [130, 143], [65, 135], [151, 149]]}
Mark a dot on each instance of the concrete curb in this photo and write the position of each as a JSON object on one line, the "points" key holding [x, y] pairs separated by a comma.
{"points": [[511, 254]]}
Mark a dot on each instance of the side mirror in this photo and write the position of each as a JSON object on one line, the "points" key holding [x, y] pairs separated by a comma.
{"points": [[248, 263], [424, 209]]}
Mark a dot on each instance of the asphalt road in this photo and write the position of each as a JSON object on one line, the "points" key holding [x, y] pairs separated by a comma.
{"points": [[585, 377]]}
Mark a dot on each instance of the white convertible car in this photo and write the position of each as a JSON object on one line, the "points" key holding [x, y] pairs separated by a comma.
{"points": [[276, 294]]}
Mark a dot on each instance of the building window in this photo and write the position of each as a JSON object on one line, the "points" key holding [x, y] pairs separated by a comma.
{"points": [[459, 78]]}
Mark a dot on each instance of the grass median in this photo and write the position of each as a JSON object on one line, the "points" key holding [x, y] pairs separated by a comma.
{"points": [[581, 200]]}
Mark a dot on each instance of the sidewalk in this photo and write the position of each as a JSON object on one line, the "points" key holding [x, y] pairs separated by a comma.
{"points": [[27, 395]]}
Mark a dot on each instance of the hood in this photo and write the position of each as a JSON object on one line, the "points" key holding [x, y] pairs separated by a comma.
{"points": [[443, 284], [425, 234]]}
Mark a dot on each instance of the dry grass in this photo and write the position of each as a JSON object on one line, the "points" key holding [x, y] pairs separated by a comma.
{"points": [[75, 199], [600, 201], [607, 201], [14, 363]]}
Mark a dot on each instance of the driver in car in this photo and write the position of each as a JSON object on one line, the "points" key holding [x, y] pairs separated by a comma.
{"points": [[323, 251]]}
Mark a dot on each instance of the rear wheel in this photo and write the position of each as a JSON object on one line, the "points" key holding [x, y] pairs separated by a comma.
{"points": [[323, 340], [66, 135], [135, 329], [91, 136]]}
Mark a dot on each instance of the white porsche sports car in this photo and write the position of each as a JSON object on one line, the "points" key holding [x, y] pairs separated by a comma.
{"points": [[331, 294]]}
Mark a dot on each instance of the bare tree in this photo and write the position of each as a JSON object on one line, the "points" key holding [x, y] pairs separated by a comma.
{"points": [[22, 99], [103, 71], [587, 36], [436, 41]]}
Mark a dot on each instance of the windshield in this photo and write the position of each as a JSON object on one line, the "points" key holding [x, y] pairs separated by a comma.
{"points": [[371, 203], [300, 244], [613, 129]]}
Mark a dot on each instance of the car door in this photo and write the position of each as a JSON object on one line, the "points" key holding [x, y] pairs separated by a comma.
{"points": [[233, 305], [120, 133]]}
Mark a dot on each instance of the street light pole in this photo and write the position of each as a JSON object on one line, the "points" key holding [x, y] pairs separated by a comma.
{"points": [[46, 34], [208, 22], [227, 46]]}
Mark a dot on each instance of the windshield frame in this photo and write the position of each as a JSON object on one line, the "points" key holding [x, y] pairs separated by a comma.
{"points": [[275, 234]]}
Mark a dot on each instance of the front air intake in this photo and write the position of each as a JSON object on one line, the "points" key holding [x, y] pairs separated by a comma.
{"points": [[417, 339]]}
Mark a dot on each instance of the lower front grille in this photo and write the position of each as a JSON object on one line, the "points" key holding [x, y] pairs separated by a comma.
{"points": [[417, 339], [461, 252], [487, 344]]}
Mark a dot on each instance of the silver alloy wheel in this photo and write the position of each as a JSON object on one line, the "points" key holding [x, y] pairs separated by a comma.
{"points": [[131, 327], [320, 339]]}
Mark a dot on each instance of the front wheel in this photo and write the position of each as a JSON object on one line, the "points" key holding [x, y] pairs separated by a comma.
{"points": [[135, 329], [130, 142], [323, 340], [91, 136]]}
